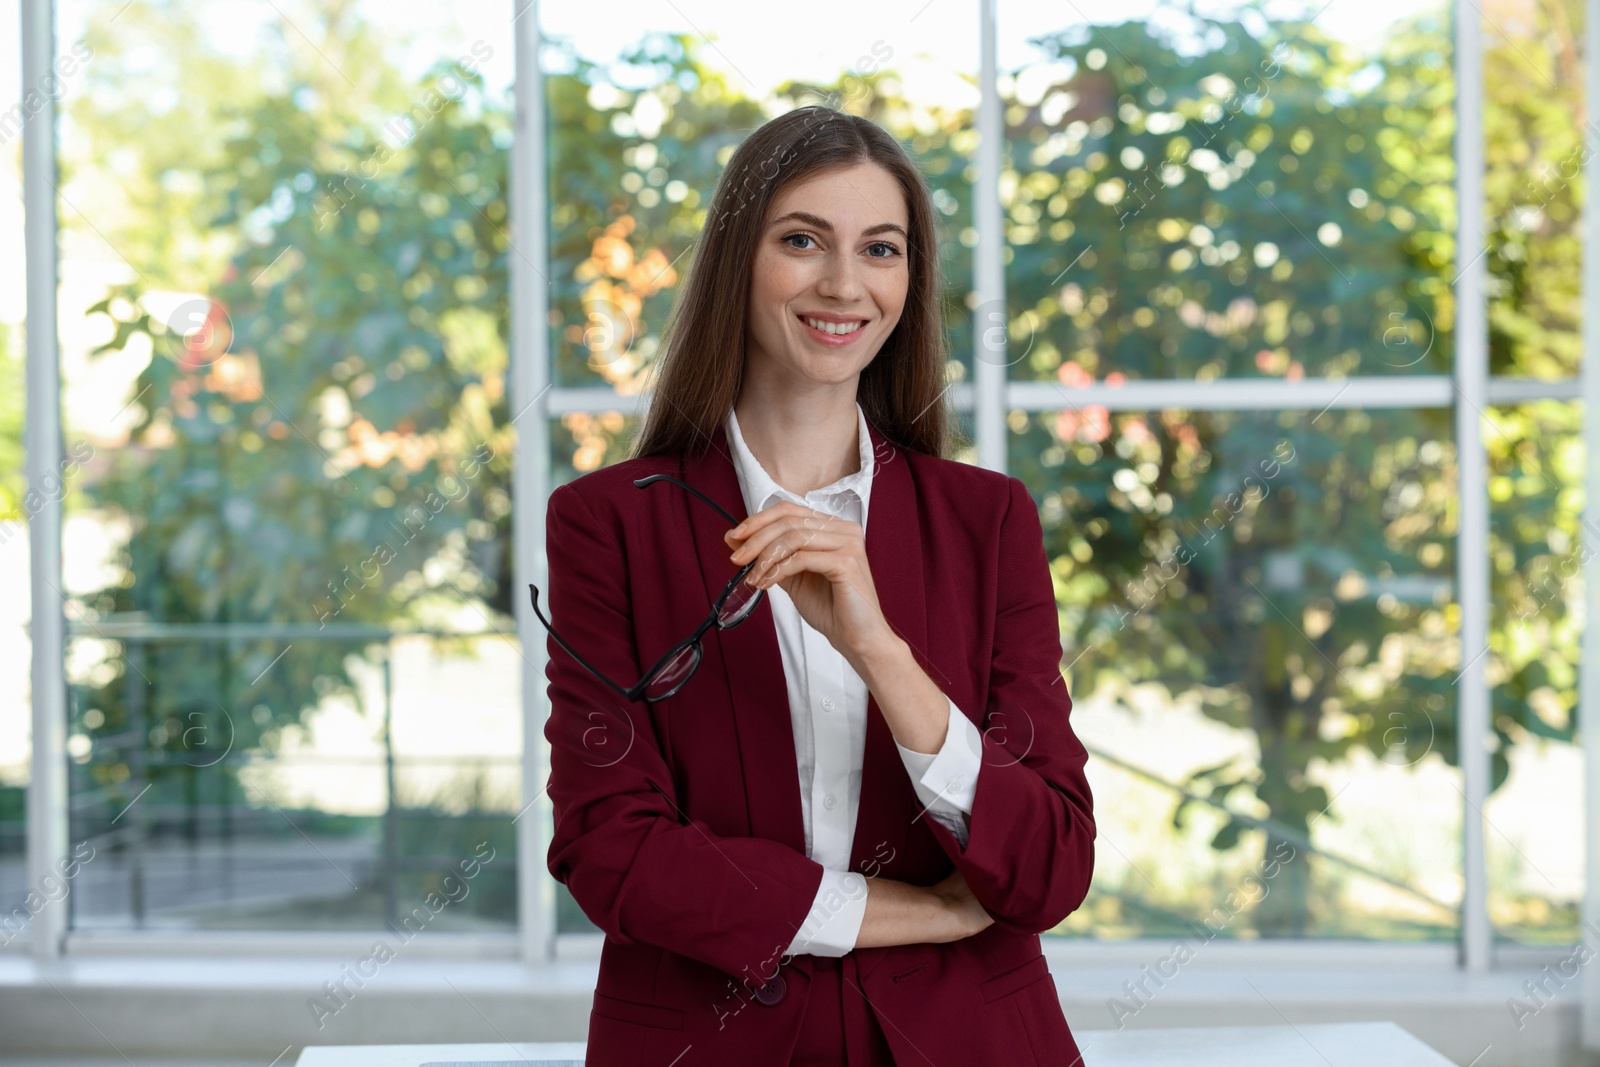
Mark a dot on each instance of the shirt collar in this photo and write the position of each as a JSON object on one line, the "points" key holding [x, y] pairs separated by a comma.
{"points": [[759, 489]]}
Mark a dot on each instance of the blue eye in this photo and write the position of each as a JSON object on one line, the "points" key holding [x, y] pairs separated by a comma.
{"points": [[890, 251]]}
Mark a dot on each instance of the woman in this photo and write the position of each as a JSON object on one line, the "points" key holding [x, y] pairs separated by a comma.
{"points": [[864, 878]]}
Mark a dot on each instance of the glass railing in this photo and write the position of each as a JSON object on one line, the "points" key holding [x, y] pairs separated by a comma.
{"points": [[387, 802]]}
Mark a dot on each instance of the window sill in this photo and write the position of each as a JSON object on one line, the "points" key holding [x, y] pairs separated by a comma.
{"points": [[236, 1001]]}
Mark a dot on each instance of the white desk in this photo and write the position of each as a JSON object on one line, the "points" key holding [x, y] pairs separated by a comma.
{"points": [[522, 1054], [1338, 1044], [1320, 1045]]}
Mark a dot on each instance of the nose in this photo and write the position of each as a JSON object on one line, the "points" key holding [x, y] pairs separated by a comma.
{"points": [[841, 278]]}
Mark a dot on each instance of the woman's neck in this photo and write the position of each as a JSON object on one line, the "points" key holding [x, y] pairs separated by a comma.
{"points": [[802, 442]]}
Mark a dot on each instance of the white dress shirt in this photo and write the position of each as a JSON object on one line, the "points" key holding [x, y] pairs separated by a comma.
{"points": [[828, 711]]}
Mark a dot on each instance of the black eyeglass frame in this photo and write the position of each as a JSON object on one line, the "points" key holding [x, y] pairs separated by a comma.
{"points": [[637, 691]]}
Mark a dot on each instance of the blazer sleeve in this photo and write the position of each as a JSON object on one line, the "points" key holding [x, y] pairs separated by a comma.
{"points": [[1029, 853], [638, 866], [944, 781]]}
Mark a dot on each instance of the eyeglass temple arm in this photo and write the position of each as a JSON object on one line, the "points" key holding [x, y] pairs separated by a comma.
{"points": [[626, 694], [651, 479]]}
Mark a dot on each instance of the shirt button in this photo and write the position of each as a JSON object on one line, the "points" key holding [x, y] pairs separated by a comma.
{"points": [[827, 703], [827, 801]]}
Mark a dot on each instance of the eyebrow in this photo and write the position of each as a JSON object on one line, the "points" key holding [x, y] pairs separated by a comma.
{"points": [[823, 224]]}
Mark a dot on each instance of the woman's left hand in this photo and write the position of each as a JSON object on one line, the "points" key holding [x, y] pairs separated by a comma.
{"points": [[820, 560]]}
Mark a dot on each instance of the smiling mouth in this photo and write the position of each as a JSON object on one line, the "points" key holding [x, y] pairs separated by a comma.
{"points": [[837, 329]]}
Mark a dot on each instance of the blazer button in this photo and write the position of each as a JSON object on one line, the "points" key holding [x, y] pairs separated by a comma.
{"points": [[773, 991]]}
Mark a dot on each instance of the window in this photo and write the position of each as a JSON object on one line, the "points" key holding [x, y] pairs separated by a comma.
{"points": [[15, 730], [1257, 601], [1255, 616], [1306, 436], [292, 685]]}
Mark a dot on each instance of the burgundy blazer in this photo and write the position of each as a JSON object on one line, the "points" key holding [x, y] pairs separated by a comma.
{"points": [[677, 824]]}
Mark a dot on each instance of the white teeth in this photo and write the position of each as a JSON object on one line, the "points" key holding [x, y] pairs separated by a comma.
{"points": [[837, 328]]}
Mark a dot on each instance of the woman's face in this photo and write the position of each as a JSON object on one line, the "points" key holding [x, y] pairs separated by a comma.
{"points": [[832, 257]]}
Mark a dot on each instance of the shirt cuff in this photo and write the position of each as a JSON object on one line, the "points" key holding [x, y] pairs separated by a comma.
{"points": [[834, 922], [947, 781]]}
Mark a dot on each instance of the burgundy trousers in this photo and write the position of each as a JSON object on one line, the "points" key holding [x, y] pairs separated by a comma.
{"points": [[840, 1026]]}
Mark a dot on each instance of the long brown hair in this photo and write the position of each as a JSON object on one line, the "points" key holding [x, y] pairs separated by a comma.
{"points": [[699, 371]]}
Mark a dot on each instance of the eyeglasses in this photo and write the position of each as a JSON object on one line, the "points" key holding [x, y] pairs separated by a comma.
{"points": [[673, 669]]}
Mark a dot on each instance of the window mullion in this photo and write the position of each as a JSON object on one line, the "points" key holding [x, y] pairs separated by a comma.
{"points": [[47, 783], [528, 205], [1589, 666], [1472, 538], [988, 267]]}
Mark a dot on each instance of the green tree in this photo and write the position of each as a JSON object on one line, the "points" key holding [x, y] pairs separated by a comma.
{"points": [[1210, 198], [321, 439], [1534, 123]]}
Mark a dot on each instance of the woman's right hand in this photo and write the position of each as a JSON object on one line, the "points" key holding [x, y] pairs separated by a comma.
{"points": [[964, 912]]}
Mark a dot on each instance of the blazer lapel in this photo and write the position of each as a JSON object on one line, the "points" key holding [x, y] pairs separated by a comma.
{"points": [[752, 665], [894, 555]]}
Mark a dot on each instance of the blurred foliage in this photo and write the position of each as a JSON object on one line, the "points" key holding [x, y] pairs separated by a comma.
{"points": [[1204, 202], [1534, 117], [1224, 206], [1288, 572], [1198, 199], [13, 478], [321, 437]]}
